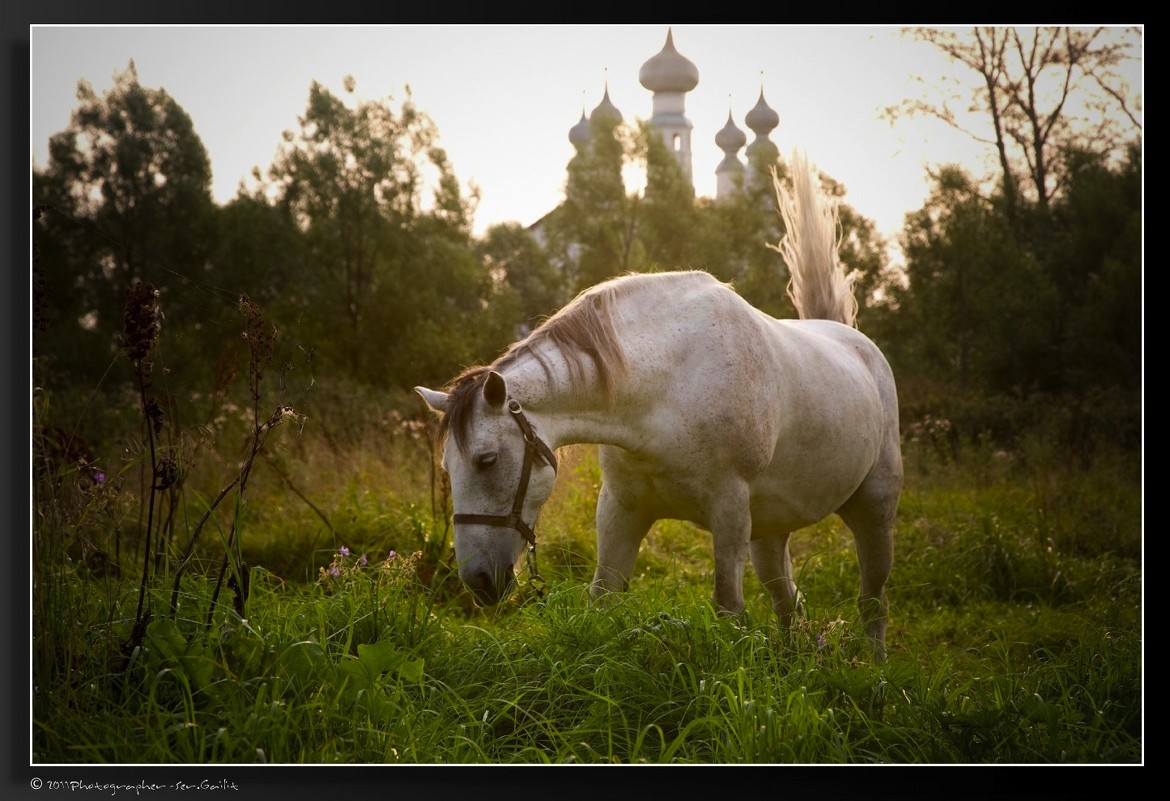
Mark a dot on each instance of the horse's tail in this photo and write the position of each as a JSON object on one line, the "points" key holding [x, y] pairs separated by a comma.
{"points": [[818, 286]]}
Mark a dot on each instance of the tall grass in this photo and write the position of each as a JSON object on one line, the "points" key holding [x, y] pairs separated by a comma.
{"points": [[1005, 647]]}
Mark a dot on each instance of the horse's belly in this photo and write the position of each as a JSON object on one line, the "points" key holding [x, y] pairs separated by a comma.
{"points": [[772, 509], [794, 492], [775, 512]]}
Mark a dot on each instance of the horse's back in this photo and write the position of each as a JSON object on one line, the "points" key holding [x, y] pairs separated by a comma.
{"points": [[801, 410], [726, 373]]}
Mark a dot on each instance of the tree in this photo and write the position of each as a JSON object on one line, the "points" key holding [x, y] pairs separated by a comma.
{"points": [[593, 233], [1095, 264], [1056, 331], [985, 312], [349, 189], [668, 215], [383, 270], [971, 314], [1042, 90], [514, 258], [1034, 286], [127, 197], [734, 234], [261, 251]]}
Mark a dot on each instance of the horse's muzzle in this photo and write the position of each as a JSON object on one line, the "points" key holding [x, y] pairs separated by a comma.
{"points": [[489, 588]]}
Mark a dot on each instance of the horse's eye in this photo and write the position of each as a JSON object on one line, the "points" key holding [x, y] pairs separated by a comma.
{"points": [[485, 460]]}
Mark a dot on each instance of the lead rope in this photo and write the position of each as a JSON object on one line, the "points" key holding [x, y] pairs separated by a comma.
{"points": [[535, 580]]}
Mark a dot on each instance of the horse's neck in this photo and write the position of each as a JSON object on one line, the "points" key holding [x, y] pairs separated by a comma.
{"points": [[566, 410]]}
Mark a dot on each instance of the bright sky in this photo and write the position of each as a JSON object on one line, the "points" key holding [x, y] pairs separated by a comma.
{"points": [[504, 97]]}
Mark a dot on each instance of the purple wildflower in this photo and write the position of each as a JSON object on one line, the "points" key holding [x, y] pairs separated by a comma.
{"points": [[335, 571], [392, 554], [344, 551], [363, 561], [821, 640], [99, 477]]}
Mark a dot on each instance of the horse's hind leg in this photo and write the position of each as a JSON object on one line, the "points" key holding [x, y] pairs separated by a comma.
{"points": [[774, 568], [870, 516], [620, 531], [731, 529]]}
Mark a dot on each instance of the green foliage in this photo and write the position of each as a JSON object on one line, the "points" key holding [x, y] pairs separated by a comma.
{"points": [[260, 250], [513, 253], [592, 234], [1035, 287], [367, 278], [380, 269], [997, 308], [1095, 241], [963, 271], [668, 219], [125, 197], [734, 244]]}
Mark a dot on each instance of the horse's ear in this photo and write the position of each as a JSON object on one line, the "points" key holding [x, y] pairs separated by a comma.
{"points": [[436, 400], [495, 390]]}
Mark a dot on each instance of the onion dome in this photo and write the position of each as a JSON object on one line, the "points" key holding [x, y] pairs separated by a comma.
{"points": [[605, 108], [579, 133], [730, 138], [729, 171], [762, 118], [669, 71]]}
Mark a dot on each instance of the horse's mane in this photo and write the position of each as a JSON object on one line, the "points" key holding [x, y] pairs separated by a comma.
{"points": [[583, 329]]}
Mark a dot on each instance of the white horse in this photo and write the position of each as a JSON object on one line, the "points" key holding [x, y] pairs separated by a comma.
{"points": [[705, 409]]}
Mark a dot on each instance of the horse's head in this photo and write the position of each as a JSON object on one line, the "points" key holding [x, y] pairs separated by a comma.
{"points": [[501, 474]]}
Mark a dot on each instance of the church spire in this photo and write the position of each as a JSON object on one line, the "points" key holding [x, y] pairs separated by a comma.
{"points": [[670, 75], [762, 119], [729, 139]]}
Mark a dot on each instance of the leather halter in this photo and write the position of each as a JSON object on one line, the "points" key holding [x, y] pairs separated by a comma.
{"points": [[533, 446]]}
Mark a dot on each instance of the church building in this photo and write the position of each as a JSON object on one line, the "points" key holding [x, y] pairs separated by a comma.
{"points": [[669, 75]]}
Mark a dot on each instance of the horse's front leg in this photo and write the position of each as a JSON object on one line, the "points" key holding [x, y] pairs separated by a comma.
{"points": [[620, 531], [731, 528]]}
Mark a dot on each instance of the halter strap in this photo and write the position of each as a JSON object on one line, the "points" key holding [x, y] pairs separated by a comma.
{"points": [[533, 446]]}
